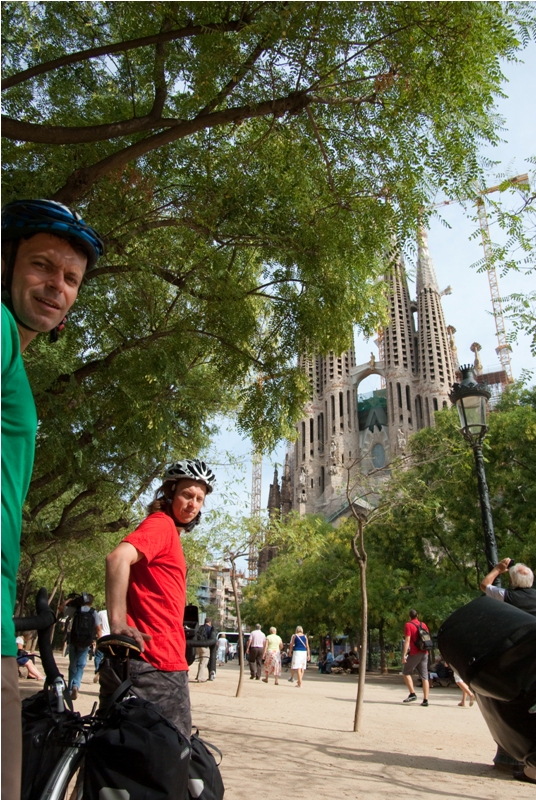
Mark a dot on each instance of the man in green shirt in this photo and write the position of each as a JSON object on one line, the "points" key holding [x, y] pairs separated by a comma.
{"points": [[46, 251]]}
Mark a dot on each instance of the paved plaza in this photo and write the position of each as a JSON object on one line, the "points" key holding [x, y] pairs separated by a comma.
{"points": [[288, 743]]}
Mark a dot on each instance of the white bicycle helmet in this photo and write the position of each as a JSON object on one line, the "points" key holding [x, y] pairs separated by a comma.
{"points": [[191, 468]]}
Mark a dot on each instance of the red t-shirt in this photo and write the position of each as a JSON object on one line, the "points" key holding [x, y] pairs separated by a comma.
{"points": [[411, 629], [157, 591]]}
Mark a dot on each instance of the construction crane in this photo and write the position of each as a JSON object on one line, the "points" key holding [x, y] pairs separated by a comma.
{"points": [[256, 484], [503, 350]]}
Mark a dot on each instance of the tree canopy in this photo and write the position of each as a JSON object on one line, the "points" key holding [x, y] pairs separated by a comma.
{"points": [[249, 166]]}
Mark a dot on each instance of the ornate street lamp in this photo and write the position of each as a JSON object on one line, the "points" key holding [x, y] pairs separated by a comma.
{"points": [[471, 399]]}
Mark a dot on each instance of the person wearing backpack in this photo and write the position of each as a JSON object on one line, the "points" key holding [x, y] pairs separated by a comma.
{"points": [[417, 645], [85, 629]]}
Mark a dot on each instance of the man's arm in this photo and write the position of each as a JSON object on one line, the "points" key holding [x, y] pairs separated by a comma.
{"points": [[118, 564], [497, 570], [405, 648]]}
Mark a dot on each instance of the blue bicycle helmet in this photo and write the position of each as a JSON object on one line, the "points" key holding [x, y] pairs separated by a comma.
{"points": [[24, 218], [27, 217]]}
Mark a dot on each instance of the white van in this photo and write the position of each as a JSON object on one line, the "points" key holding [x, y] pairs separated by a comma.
{"points": [[232, 638]]}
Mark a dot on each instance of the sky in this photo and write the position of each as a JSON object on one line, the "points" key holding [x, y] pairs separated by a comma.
{"points": [[468, 308]]}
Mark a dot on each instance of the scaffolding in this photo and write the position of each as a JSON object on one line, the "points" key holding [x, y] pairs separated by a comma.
{"points": [[503, 349]]}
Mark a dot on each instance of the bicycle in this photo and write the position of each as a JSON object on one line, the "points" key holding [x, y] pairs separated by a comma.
{"points": [[64, 780], [69, 732]]}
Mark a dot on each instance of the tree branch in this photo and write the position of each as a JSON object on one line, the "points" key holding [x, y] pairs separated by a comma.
{"points": [[81, 180], [123, 47]]}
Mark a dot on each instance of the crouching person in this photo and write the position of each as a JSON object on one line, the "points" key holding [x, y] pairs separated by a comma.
{"points": [[146, 593]]}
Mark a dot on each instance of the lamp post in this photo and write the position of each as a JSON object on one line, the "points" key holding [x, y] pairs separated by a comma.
{"points": [[471, 399]]}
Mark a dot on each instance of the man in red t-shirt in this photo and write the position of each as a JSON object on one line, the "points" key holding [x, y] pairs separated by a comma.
{"points": [[146, 593], [417, 659]]}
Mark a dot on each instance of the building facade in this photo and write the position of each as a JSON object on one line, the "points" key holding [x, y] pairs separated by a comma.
{"points": [[342, 431], [217, 590]]}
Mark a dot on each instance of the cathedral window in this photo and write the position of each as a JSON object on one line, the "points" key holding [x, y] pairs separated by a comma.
{"points": [[408, 399], [436, 408], [332, 413], [399, 394]]}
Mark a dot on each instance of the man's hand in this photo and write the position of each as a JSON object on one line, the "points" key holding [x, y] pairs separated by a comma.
{"points": [[134, 633], [497, 570]]}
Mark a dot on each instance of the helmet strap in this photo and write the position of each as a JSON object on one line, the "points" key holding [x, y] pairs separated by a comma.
{"points": [[54, 333], [187, 527]]}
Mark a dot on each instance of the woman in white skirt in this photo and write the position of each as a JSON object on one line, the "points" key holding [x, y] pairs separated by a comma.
{"points": [[299, 650]]}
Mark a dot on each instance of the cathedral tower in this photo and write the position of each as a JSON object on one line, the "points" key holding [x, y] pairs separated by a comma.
{"points": [[401, 366], [436, 372], [326, 434]]}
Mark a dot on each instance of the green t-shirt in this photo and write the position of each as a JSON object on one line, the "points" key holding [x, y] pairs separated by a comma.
{"points": [[19, 426], [274, 641]]}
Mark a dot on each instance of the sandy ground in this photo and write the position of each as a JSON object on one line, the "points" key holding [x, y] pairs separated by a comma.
{"points": [[289, 743]]}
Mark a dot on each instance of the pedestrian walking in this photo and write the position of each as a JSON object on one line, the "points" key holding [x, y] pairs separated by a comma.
{"points": [[415, 659], [300, 652], [272, 656], [223, 650], [254, 651], [465, 690], [105, 631]]}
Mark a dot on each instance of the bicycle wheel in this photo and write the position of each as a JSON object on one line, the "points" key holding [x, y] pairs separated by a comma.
{"points": [[67, 780]]}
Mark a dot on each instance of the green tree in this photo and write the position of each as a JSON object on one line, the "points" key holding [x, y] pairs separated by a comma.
{"points": [[248, 166], [433, 530]]}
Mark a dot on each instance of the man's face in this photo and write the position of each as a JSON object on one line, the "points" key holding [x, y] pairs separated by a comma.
{"points": [[46, 279], [188, 500]]}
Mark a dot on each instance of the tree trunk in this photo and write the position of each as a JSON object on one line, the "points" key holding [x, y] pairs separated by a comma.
{"points": [[369, 652], [58, 587], [240, 637], [358, 547], [383, 660], [25, 586]]}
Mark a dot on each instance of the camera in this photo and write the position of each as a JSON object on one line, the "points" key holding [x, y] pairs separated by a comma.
{"points": [[79, 600]]}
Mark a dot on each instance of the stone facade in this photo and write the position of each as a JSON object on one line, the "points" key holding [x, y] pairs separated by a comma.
{"points": [[337, 432]]}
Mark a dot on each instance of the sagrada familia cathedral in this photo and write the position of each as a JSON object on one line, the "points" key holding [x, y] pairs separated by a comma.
{"points": [[341, 428]]}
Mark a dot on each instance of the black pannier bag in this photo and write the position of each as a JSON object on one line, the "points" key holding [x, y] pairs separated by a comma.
{"points": [[45, 736], [493, 646], [205, 782], [137, 750]]}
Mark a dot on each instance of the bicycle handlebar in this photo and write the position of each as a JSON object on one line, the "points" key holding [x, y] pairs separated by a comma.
{"points": [[42, 622]]}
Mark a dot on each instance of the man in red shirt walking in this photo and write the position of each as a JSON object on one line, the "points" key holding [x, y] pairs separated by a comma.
{"points": [[146, 593], [417, 659]]}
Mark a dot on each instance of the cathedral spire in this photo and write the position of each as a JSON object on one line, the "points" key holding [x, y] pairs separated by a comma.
{"points": [[426, 277], [274, 497], [436, 372]]}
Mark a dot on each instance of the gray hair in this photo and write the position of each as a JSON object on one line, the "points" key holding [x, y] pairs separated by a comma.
{"points": [[521, 576], [257, 626], [273, 630]]}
